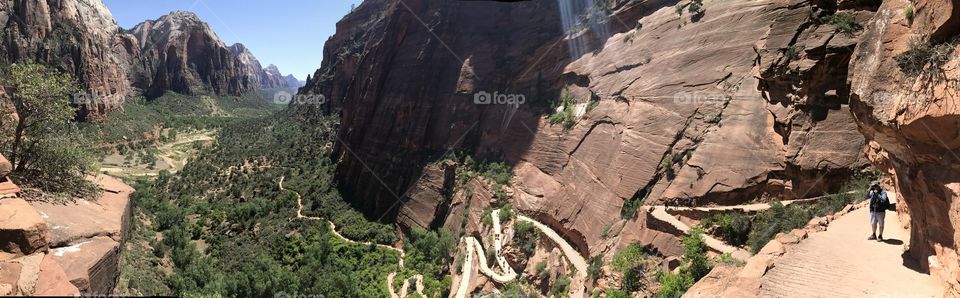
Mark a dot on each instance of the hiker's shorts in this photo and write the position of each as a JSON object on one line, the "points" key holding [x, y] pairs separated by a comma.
{"points": [[876, 218]]}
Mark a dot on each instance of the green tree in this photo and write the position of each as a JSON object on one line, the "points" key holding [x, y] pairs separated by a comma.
{"points": [[46, 148]]}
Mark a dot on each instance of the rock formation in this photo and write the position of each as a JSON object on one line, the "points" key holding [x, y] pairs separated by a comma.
{"points": [[665, 107], [293, 82], [265, 78], [911, 123], [177, 52], [181, 53], [63, 249], [78, 37]]}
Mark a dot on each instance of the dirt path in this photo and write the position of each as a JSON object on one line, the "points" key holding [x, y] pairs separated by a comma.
{"points": [[841, 262], [660, 212], [467, 269], [577, 285]]}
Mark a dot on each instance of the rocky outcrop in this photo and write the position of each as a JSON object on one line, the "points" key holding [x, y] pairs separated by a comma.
{"points": [[727, 117], [911, 119], [181, 53], [63, 249], [265, 78], [77, 37]]}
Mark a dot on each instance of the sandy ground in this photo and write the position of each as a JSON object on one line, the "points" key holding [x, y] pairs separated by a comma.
{"points": [[841, 262]]}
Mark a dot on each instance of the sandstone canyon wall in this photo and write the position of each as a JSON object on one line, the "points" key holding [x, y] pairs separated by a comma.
{"points": [[745, 99], [911, 123], [77, 37], [177, 52]]}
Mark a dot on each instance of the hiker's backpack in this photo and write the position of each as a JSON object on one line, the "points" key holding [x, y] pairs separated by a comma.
{"points": [[879, 202]]}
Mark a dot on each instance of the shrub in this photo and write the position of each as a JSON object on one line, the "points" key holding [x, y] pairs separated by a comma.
{"points": [[695, 252], [779, 218], [673, 284], [908, 13], [633, 279], [563, 111], [843, 22], [924, 58], [526, 236], [631, 256], [595, 267], [615, 293], [560, 287], [734, 228], [696, 6]]}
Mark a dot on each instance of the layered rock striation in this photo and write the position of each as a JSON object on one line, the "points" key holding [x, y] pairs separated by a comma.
{"points": [[717, 107]]}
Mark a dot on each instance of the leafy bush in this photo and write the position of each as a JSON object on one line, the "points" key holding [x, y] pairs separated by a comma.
{"points": [[560, 287], [634, 279], [844, 22], [595, 267], [563, 111], [526, 236], [734, 228], [673, 285], [779, 218], [631, 256]]}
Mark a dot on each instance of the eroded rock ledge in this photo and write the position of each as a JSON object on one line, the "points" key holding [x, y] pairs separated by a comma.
{"points": [[52, 249]]}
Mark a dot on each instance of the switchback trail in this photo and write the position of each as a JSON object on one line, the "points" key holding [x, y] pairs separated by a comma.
{"points": [[333, 228], [841, 262]]}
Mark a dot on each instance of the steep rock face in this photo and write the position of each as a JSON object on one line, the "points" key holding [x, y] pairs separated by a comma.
{"points": [[911, 123], [179, 52], [701, 108], [266, 78], [77, 37]]}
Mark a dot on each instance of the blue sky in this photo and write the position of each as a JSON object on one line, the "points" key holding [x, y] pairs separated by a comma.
{"points": [[288, 33]]}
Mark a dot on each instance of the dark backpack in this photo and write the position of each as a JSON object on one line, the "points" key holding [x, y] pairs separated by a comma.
{"points": [[878, 201]]}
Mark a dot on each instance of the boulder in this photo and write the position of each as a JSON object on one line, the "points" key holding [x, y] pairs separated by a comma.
{"points": [[22, 229], [52, 280], [774, 248]]}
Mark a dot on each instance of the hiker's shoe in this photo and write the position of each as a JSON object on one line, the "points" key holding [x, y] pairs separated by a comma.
{"points": [[872, 237], [880, 238]]}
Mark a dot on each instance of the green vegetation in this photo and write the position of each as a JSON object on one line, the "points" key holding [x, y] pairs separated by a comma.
{"points": [[595, 267], [695, 267], [43, 143], [908, 13], [793, 52], [924, 59], [695, 6], [733, 228], [428, 253], [230, 232], [563, 111], [526, 236], [140, 116], [630, 206], [631, 256], [843, 22], [560, 287]]}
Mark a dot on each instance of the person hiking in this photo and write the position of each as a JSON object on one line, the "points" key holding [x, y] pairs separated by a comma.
{"points": [[879, 202]]}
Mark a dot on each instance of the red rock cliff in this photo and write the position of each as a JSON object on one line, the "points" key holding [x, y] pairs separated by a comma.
{"points": [[911, 123], [744, 99]]}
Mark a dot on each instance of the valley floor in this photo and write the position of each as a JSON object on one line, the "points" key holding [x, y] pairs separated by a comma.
{"points": [[841, 262]]}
